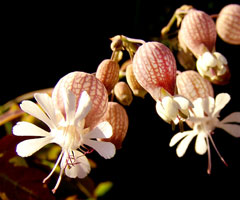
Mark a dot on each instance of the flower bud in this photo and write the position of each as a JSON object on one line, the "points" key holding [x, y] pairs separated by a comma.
{"points": [[197, 33], [108, 73], [192, 85], [228, 23], [154, 67], [78, 82], [117, 116], [123, 93], [136, 88]]}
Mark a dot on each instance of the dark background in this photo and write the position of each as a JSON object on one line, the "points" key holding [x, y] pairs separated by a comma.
{"points": [[42, 42]]}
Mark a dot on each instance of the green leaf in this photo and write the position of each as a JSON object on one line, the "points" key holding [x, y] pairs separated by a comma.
{"points": [[103, 188], [18, 161]]}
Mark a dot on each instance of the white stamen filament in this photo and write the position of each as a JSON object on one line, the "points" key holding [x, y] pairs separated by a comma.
{"points": [[54, 168]]}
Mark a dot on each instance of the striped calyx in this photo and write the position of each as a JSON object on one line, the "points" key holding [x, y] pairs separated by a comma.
{"points": [[117, 116], [154, 67], [192, 85], [108, 73], [228, 24], [78, 82], [197, 33]]}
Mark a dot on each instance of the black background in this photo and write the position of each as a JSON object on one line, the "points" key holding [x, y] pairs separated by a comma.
{"points": [[42, 42]]}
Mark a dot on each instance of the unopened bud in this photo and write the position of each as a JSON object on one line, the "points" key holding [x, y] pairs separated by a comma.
{"points": [[228, 23], [108, 73], [136, 88], [123, 93], [117, 44], [117, 116]]}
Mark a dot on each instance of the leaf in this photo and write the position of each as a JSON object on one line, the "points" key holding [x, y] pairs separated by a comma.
{"points": [[16, 179], [18, 161], [103, 188]]}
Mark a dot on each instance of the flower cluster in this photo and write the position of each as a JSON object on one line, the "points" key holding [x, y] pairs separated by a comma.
{"points": [[81, 114]]}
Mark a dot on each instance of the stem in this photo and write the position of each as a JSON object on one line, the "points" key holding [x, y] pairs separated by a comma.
{"points": [[28, 95], [214, 16], [183, 10], [132, 40], [167, 28]]}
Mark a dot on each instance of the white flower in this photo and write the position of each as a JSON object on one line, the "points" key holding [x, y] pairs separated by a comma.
{"points": [[212, 65], [172, 109], [205, 116], [68, 132]]}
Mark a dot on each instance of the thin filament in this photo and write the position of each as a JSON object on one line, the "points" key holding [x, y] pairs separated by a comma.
{"points": [[220, 156], [55, 166], [209, 157]]}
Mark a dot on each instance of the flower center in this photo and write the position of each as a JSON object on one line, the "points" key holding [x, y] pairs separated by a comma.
{"points": [[70, 135]]}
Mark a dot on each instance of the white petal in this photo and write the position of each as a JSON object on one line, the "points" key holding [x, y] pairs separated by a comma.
{"points": [[221, 100], [183, 145], [233, 117], [232, 129], [208, 105], [29, 147], [105, 149], [33, 109], [183, 102], [46, 103], [69, 100], [220, 58], [198, 107], [171, 107], [80, 167], [161, 112], [102, 130], [84, 106], [201, 145], [28, 129], [177, 137]]}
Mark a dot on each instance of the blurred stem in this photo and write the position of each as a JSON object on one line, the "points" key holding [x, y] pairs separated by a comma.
{"points": [[214, 16], [177, 16], [26, 96]]}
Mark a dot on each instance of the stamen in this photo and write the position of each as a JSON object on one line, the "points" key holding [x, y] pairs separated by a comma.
{"points": [[220, 156], [181, 126], [59, 180], [85, 150], [209, 157], [55, 166]]}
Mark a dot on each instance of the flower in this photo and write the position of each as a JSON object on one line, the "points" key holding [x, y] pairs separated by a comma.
{"points": [[213, 66], [205, 116], [172, 109], [68, 132]]}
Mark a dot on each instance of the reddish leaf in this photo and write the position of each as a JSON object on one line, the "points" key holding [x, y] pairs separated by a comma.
{"points": [[19, 182]]}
